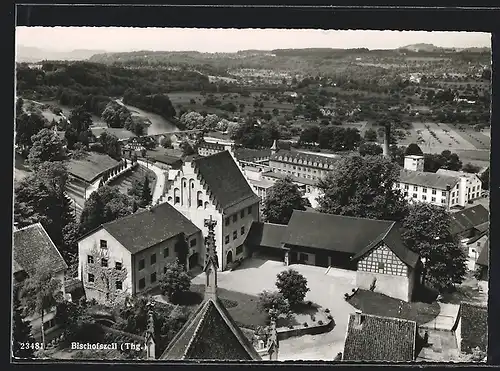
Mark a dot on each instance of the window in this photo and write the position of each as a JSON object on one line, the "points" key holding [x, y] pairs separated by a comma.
{"points": [[473, 188], [200, 203], [192, 185], [141, 264], [452, 194], [118, 266], [90, 259], [478, 243], [165, 252], [142, 283], [164, 269], [249, 210], [397, 185], [424, 197], [153, 259], [443, 193], [235, 235], [304, 257], [104, 244], [235, 218], [119, 285], [415, 188], [226, 239], [242, 214], [424, 190], [443, 200], [242, 230], [433, 191], [90, 277], [177, 200], [49, 324], [192, 243], [433, 199], [380, 266], [239, 249], [414, 195], [226, 222], [406, 194], [104, 262], [153, 277]]}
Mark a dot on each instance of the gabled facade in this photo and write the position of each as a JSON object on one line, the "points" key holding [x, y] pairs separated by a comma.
{"points": [[215, 187], [470, 187], [128, 256], [29, 245]]}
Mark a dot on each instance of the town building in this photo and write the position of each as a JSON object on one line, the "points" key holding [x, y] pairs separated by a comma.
{"points": [[211, 148], [470, 185], [211, 333], [470, 222], [29, 245], [215, 186], [376, 338], [371, 248], [471, 328], [483, 262], [474, 248], [128, 255]]}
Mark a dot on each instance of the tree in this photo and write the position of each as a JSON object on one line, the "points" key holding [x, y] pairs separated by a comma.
{"points": [[46, 147], [309, 134], [363, 187], [187, 148], [28, 125], [80, 119], [485, 179], [146, 195], [110, 145], [166, 142], [372, 149], [282, 198], [451, 161], [426, 230], [192, 120], [70, 235], [471, 168], [182, 249], [292, 285], [413, 149], [175, 280], [105, 205], [41, 291], [371, 135], [21, 330], [274, 304]]}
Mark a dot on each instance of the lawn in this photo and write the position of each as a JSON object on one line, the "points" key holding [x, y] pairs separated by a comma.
{"points": [[383, 305]]}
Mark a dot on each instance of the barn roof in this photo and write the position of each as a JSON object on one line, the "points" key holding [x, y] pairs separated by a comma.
{"points": [[484, 256], [472, 217], [266, 234]]}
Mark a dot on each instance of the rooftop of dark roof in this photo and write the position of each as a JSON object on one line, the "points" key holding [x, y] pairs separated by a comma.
{"points": [[91, 166], [380, 339], [484, 256], [355, 236], [303, 156], [474, 329], [427, 179], [224, 179], [266, 234], [468, 218], [250, 154], [32, 242], [147, 228], [210, 334]]}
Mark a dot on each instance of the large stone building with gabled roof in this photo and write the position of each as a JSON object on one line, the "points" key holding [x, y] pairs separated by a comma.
{"points": [[215, 186], [211, 333]]}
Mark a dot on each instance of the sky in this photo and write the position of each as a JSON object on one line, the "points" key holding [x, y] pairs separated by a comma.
{"points": [[114, 39]]}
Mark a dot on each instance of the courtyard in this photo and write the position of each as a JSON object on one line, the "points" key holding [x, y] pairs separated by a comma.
{"points": [[256, 275]]}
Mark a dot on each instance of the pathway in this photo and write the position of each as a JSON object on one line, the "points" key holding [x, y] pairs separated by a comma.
{"points": [[160, 179], [446, 318]]}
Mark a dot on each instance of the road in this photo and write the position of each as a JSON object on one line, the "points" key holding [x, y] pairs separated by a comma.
{"points": [[160, 180]]}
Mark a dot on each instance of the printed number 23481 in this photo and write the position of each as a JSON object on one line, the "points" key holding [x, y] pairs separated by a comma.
{"points": [[34, 346]]}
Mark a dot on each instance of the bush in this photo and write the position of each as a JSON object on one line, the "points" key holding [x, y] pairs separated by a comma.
{"points": [[273, 303], [175, 280], [313, 318], [327, 310], [329, 317], [292, 285], [320, 322], [305, 324], [290, 327]]}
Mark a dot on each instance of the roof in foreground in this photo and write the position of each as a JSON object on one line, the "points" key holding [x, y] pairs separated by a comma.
{"points": [[474, 330], [210, 334], [355, 236], [147, 228], [468, 218], [91, 166], [266, 234], [225, 179], [426, 179], [31, 243], [380, 339]]}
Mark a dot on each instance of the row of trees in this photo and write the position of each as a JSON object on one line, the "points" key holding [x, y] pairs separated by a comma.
{"points": [[331, 137], [153, 102]]}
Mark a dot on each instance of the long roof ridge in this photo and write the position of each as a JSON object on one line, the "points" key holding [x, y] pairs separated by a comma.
{"points": [[205, 306]]}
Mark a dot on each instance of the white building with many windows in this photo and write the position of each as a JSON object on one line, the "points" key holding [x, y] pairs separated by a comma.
{"points": [[470, 185]]}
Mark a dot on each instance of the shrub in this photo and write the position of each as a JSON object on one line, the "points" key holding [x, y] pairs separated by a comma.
{"points": [[175, 280], [290, 327], [273, 303], [292, 285], [313, 318], [305, 324], [329, 317], [320, 322], [327, 310]]}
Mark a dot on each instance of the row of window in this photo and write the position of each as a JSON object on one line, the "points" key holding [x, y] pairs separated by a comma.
{"points": [[104, 262], [91, 278], [166, 253], [415, 188], [305, 169], [306, 176], [235, 235], [304, 162], [227, 221], [424, 198]]}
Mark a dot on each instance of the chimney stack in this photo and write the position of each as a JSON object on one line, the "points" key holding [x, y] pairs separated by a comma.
{"points": [[357, 318], [387, 134]]}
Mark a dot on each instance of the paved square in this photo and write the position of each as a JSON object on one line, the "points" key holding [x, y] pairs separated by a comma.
{"points": [[255, 275]]}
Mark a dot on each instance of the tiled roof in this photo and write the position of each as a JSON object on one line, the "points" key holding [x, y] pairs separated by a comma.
{"points": [[302, 158], [90, 166], [31, 243], [224, 179], [426, 179], [165, 159], [380, 339], [296, 179], [456, 173], [266, 234], [211, 145], [484, 257], [474, 329], [147, 228], [469, 218], [248, 154], [356, 236], [210, 334]]}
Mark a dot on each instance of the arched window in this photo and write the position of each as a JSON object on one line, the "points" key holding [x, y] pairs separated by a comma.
{"points": [[199, 200], [206, 205], [177, 196], [169, 199]]}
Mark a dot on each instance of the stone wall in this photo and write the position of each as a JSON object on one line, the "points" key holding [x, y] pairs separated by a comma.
{"points": [[394, 286]]}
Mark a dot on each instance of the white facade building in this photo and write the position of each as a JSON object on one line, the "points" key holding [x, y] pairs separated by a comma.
{"points": [[470, 185]]}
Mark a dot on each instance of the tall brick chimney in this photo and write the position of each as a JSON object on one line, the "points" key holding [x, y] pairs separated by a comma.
{"points": [[385, 147]]}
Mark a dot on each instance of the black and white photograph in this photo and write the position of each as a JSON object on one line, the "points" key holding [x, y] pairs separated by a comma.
{"points": [[250, 195]]}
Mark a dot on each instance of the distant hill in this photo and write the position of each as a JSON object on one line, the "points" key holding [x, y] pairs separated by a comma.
{"points": [[422, 47], [33, 54]]}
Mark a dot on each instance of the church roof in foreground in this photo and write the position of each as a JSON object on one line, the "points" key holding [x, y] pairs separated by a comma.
{"points": [[210, 334]]}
